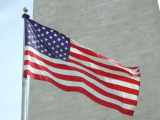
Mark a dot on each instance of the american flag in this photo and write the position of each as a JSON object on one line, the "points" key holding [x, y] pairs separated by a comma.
{"points": [[53, 57]]}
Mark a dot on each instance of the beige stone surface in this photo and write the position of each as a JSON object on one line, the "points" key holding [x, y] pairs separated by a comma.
{"points": [[127, 30]]}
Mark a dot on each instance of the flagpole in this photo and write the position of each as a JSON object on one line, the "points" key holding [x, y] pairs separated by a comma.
{"points": [[25, 81]]}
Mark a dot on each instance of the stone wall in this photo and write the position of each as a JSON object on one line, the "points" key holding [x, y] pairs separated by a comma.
{"points": [[126, 30]]}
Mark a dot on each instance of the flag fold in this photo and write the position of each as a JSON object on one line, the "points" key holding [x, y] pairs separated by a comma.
{"points": [[53, 57]]}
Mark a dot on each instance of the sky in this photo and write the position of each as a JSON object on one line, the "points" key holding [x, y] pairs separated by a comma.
{"points": [[11, 57]]}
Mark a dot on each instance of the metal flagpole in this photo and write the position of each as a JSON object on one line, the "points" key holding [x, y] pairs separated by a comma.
{"points": [[25, 82]]}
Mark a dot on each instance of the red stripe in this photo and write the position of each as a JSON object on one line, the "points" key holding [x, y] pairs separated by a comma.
{"points": [[61, 66], [84, 50], [80, 90], [80, 79], [106, 74], [89, 52]]}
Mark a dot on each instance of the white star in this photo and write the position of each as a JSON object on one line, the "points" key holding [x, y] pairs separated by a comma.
{"points": [[55, 35], [29, 25], [65, 54], [29, 43], [33, 41], [56, 51], [64, 58], [49, 44], [35, 24], [46, 39], [59, 39], [42, 34], [54, 41], [50, 37], [29, 37], [29, 31], [65, 48], [52, 48], [60, 55], [62, 37], [47, 32], [43, 28], [32, 37], [42, 51], [51, 30], [61, 50], [42, 46], [66, 41], [38, 35], [39, 30], [45, 50], [49, 54], [57, 46], [62, 43]]}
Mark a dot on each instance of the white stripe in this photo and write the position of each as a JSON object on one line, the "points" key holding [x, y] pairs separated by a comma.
{"points": [[100, 60], [109, 61], [75, 50], [105, 79], [76, 73], [114, 81], [80, 84]]}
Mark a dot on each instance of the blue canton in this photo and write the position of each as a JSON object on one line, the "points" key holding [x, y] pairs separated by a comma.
{"points": [[46, 40]]}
